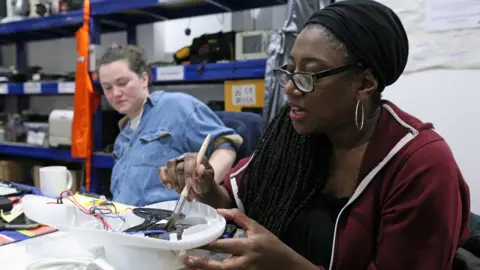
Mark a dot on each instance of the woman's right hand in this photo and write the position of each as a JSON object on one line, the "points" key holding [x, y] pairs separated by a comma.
{"points": [[185, 171]]}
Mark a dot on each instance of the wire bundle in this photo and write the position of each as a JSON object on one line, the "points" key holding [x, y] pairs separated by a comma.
{"points": [[100, 211]]}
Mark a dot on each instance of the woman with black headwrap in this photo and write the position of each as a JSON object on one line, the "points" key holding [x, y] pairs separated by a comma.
{"points": [[341, 179]]}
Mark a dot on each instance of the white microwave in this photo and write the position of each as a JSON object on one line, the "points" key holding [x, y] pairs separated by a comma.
{"points": [[252, 44]]}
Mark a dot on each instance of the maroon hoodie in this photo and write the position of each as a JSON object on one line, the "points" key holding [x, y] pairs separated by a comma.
{"points": [[411, 207]]}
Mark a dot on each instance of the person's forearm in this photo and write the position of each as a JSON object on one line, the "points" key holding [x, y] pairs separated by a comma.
{"points": [[217, 197], [297, 261], [222, 160]]}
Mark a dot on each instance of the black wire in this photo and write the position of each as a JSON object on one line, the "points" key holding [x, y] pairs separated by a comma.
{"points": [[153, 213], [151, 217]]}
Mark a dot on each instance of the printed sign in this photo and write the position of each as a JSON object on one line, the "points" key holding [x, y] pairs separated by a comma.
{"points": [[32, 88], [170, 73], [244, 95], [66, 87], [3, 88]]}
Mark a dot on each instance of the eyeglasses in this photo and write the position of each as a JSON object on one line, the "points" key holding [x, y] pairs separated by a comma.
{"points": [[305, 81]]}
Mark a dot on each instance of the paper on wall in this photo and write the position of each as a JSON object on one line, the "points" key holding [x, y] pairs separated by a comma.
{"points": [[402, 6], [451, 48], [441, 15], [454, 47]]}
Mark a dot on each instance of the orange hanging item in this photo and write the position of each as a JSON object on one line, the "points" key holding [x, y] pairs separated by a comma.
{"points": [[85, 100]]}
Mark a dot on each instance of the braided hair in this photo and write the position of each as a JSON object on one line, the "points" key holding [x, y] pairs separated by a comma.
{"points": [[284, 173]]}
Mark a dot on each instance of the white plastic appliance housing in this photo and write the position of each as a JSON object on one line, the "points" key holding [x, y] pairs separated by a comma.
{"points": [[124, 251], [250, 45], [60, 127]]}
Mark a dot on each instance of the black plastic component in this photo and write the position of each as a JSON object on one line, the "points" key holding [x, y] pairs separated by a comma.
{"points": [[5, 204]]}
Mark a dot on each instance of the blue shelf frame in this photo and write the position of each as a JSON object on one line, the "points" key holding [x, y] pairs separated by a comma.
{"points": [[102, 161], [24, 150], [215, 72], [226, 71], [37, 88], [111, 16], [99, 160]]}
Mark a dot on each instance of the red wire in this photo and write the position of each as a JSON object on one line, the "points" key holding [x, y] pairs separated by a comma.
{"points": [[85, 210]]}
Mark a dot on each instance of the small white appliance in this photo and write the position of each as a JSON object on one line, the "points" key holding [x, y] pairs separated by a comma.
{"points": [[60, 127], [125, 251], [16, 10], [252, 45], [40, 8]]}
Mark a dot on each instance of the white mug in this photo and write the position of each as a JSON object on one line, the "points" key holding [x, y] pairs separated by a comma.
{"points": [[54, 180]]}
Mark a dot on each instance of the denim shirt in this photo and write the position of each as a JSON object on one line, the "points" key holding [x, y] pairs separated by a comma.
{"points": [[171, 124]]}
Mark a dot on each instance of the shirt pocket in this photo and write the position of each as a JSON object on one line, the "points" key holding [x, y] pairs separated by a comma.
{"points": [[155, 148]]}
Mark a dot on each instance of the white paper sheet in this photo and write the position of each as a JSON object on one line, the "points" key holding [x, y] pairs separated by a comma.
{"points": [[441, 15], [6, 190], [441, 33]]}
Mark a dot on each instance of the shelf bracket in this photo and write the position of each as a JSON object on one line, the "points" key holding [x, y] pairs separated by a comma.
{"points": [[113, 23], [215, 3], [153, 15]]}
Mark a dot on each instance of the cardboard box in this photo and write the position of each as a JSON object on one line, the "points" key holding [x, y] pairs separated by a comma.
{"points": [[14, 171], [76, 177]]}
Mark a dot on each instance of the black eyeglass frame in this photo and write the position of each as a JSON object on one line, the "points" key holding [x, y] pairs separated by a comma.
{"points": [[315, 76]]}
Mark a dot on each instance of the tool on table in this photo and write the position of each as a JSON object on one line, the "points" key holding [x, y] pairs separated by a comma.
{"points": [[8, 188], [151, 218], [21, 222], [6, 205], [183, 196]]}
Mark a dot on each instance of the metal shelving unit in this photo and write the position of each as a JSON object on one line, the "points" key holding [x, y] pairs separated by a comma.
{"points": [[210, 72], [112, 16]]}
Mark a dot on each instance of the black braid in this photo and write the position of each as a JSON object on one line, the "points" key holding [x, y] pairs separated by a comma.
{"points": [[287, 169]]}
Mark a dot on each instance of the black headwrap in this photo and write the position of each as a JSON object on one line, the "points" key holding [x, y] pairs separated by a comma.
{"points": [[372, 32]]}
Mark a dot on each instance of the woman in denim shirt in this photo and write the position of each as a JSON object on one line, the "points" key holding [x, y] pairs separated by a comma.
{"points": [[157, 127]]}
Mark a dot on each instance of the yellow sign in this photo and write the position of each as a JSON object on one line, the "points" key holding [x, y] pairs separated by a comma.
{"points": [[244, 94]]}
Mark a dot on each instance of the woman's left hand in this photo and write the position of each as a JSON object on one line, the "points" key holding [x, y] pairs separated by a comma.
{"points": [[260, 250]]}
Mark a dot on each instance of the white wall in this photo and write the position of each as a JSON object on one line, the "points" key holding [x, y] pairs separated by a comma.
{"points": [[450, 99], [175, 37]]}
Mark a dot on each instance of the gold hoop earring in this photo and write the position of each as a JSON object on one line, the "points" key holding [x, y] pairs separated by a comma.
{"points": [[358, 123]]}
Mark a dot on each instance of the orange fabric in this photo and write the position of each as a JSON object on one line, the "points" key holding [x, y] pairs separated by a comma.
{"points": [[85, 100]]}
